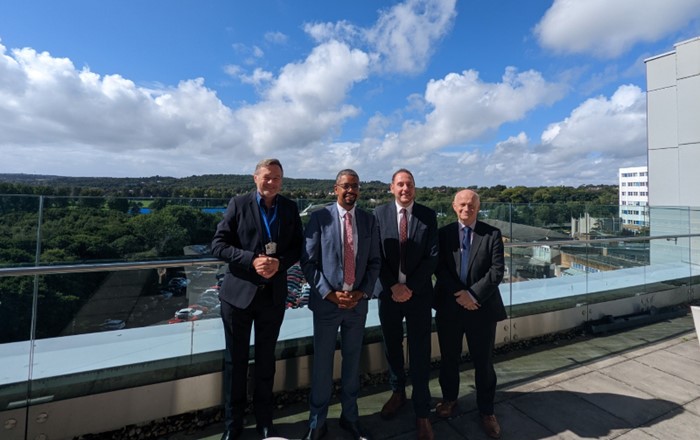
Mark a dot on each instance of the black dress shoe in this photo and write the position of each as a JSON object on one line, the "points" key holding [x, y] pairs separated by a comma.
{"points": [[233, 433], [266, 431], [354, 429], [316, 433]]}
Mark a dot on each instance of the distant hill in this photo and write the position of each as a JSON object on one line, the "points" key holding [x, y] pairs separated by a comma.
{"points": [[226, 185], [208, 185]]}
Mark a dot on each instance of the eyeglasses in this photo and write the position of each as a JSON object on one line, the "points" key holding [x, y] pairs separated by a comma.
{"points": [[349, 186]]}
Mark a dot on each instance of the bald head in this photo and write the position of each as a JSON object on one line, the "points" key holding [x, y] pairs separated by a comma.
{"points": [[466, 205]]}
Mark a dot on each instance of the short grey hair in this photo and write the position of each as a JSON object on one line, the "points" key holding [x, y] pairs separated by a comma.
{"points": [[265, 163]]}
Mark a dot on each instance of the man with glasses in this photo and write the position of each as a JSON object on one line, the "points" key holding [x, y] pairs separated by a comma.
{"points": [[259, 237], [341, 262]]}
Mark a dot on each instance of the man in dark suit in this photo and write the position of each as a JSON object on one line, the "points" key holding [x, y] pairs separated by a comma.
{"points": [[260, 237], [341, 262], [468, 302], [409, 250]]}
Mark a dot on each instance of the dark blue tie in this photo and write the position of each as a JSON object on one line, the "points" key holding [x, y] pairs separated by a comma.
{"points": [[464, 253]]}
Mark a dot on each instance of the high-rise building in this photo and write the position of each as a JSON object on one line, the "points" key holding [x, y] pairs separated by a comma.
{"points": [[634, 197]]}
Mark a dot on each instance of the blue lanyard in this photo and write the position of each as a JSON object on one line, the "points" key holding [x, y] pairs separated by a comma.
{"points": [[265, 220]]}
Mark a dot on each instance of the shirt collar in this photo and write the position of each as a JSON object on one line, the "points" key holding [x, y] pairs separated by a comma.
{"points": [[342, 210], [259, 199], [462, 225], [409, 208]]}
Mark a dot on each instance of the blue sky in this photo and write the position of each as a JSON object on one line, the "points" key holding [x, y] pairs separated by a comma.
{"points": [[469, 92]]}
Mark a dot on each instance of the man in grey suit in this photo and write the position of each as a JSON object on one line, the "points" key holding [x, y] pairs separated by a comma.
{"points": [[259, 238], [468, 302], [409, 250], [341, 262]]}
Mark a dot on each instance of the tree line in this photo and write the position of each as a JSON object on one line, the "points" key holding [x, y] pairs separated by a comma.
{"points": [[101, 220]]}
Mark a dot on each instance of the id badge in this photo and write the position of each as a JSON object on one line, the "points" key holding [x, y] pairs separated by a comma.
{"points": [[271, 248]]}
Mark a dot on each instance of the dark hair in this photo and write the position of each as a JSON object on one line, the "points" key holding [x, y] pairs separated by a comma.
{"points": [[346, 172], [402, 170], [268, 162]]}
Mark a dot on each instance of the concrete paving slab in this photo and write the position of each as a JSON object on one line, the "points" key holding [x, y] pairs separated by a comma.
{"points": [[688, 348], [674, 364], [619, 399], [680, 425], [653, 381], [568, 415], [636, 434], [693, 407]]}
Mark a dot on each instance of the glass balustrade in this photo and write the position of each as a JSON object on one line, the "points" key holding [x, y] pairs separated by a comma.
{"points": [[100, 294]]}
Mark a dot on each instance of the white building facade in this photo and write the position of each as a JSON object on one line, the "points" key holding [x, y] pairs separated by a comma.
{"points": [[633, 191], [673, 133]]}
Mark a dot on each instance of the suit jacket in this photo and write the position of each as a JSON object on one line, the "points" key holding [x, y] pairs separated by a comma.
{"points": [[421, 253], [239, 238], [486, 269], [322, 257]]}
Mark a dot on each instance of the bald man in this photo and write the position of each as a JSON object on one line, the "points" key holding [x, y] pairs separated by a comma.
{"points": [[468, 302]]}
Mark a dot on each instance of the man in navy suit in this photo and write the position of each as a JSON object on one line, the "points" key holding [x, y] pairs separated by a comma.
{"points": [[341, 262], [468, 302], [259, 237], [409, 250]]}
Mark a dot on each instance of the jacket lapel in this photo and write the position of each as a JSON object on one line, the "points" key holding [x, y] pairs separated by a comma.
{"points": [[255, 208], [455, 248], [335, 232], [476, 243]]}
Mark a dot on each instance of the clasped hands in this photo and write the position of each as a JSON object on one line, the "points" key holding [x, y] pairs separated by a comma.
{"points": [[345, 299], [401, 293], [466, 300], [266, 266]]}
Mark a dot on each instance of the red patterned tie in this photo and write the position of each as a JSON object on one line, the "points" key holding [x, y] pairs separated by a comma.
{"points": [[403, 237], [348, 252]]}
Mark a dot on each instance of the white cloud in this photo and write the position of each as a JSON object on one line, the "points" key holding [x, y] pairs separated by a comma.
{"points": [[258, 77], [52, 109], [403, 38], [406, 34], [614, 127], [607, 28], [588, 146], [464, 108], [276, 37], [305, 103]]}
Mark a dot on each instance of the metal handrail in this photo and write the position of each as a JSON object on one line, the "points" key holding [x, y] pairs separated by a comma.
{"points": [[140, 265], [101, 267], [599, 240]]}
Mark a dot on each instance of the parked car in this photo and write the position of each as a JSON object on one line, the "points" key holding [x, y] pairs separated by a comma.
{"points": [[191, 313], [112, 324]]}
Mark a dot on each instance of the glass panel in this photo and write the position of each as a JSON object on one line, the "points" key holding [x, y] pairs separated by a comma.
{"points": [[152, 321], [97, 229], [19, 218]]}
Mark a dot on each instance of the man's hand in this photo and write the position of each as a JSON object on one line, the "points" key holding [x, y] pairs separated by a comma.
{"points": [[401, 293], [345, 299], [266, 266], [466, 300]]}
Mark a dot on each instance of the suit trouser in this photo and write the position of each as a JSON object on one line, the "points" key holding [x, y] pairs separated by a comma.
{"points": [[453, 323], [418, 314], [267, 319], [352, 329]]}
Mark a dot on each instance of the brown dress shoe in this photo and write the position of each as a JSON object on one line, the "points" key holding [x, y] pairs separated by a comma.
{"points": [[424, 430], [446, 408], [491, 426], [392, 406]]}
